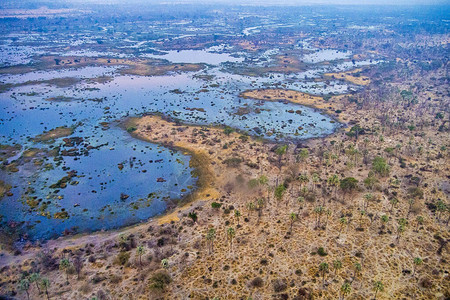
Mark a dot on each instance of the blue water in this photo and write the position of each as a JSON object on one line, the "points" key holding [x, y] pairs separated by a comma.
{"points": [[94, 203]]}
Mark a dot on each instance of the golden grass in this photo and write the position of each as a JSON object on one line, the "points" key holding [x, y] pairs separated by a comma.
{"points": [[297, 97], [200, 160], [53, 134], [349, 76]]}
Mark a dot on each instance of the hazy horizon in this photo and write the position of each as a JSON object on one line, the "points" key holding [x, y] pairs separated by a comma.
{"points": [[238, 2]]}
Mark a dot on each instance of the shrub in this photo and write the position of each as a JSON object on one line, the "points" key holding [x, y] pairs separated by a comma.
{"points": [[426, 283], [115, 279], [415, 192], [279, 285], [279, 191], [252, 165], [122, 258], [252, 183], [85, 288], [228, 130], [257, 282], [160, 280], [348, 184], [47, 261], [233, 162], [321, 252], [243, 137], [380, 166], [216, 205], [193, 216], [97, 278]]}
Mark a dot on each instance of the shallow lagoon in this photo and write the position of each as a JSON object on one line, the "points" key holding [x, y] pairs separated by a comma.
{"points": [[195, 56], [94, 203]]}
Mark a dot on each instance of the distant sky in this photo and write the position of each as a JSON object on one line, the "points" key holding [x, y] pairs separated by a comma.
{"points": [[302, 2], [253, 2], [291, 2]]}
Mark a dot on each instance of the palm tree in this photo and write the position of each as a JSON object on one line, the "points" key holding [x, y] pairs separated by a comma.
{"points": [[318, 211], [263, 180], [35, 277], [303, 179], [394, 202], [64, 264], [293, 218], [348, 185], [378, 287], [402, 221], [358, 268], [342, 221], [45, 284], [337, 264], [411, 203], [210, 237], [301, 201], [333, 181], [417, 262], [250, 206], [361, 215], [230, 235], [259, 206], [78, 265], [419, 220], [165, 263], [400, 230], [384, 219], [280, 151], [303, 155], [345, 289], [440, 208], [237, 214], [140, 250], [279, 191], [315, 178], [193, 216], [323, 268], [328, 213], [367, 197], [24, 285]]}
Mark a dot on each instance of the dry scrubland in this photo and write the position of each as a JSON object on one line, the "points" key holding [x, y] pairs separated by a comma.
{"points": [[323, 219]]}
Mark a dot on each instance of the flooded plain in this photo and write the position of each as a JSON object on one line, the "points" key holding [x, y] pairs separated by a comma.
{"points": [[111, 179]]}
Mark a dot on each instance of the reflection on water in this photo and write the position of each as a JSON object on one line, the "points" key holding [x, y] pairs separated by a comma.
{"points": [[195, 56], [148, 174], [325, 55]]}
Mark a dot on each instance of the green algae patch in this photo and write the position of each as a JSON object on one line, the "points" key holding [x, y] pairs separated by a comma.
{"points": [[61, 99], [4, 188], [62, 183], [7, 151], [61, 215]]}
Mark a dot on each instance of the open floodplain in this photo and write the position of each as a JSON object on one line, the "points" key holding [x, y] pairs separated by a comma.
{"points": [[94, 175], [129, 141]]}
